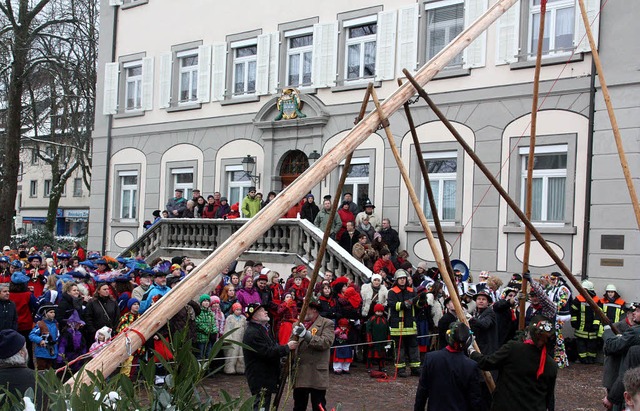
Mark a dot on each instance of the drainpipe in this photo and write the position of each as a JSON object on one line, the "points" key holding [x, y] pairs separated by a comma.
{"points": [[109, 129], [589, 171]]}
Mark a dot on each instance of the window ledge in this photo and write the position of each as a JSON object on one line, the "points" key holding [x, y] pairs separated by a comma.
{"points": [[543, 229], [184, 107], [239, 100], [132, 4], [456, 228], [124, 224], [128, 114], [355, 86], [550, 61], [450, 73]]}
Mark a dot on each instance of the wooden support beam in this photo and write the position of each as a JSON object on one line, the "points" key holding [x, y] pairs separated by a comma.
{"points": [[202, 276], [512, 204]]}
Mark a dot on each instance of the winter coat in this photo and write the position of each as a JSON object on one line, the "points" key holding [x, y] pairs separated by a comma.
{"points": [[347, 241], [178, 204], [42, 328], [250, 206], [391, 238], [322, 219], [518, 388], [449, 381], [377, 333], [8, 315], [374, 220], [25, 306], [72, 344], [368, 301], [66, 306], [401, 318], [262, 366], [584, 320], [345, 217], [485, 329], [223, 210], [101, 312], [153, 291], [313, 367], [239, 323], [248, 296], [506, 321], [206, 326], [329, 307], [381, 263], [309, 211]]}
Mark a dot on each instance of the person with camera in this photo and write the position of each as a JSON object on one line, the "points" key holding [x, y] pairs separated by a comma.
{"points": [[45, 336]]}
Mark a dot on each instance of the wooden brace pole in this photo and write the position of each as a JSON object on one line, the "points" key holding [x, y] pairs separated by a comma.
{"points": [[427, 230], [108, 360], [612, 116], [511, 203]]}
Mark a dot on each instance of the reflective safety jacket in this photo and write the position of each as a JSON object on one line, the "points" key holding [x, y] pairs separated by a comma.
{"points": [[402, 318], [613, 309], [583, 319]]}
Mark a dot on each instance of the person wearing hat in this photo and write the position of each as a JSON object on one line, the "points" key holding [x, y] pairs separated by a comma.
{"points": [[448, 379], [586, 325], [26, 306], [506, 309], [482, 281], [527, 371], [15, 376], [8, 312], [72, 343], [612, 303], [225, 209], [316, 335], [250, 204], [378, 334], [448, 318], [234, 327], [346, 216], [322, 219], [484, 324], [374, 219], [262, 362], [309, 209], [5, 274], [206, 327], [560, 294], [402, 301], [266, 298], [45, 336], [146, 278], [177, 205], [541, 307], [159, 287]]}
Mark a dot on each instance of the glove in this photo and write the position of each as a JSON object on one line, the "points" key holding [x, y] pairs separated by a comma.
{"points": [[470, 349], [301, 332], [527, 276], [469, 343], [607, 327]]}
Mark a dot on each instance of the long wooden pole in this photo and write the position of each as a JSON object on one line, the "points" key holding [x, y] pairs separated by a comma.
{"points": [[512, 204], [532, 148], [425, 226], [612, 116], [202, 276], [432, 200]]}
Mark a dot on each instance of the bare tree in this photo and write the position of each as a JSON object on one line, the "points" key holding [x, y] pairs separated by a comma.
{"points": [[50, 66]]}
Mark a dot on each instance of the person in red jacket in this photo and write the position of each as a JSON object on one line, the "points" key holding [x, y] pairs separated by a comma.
{"points": [[26, 305], [384, 262]]}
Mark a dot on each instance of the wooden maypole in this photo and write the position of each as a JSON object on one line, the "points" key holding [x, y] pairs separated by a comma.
{"points": [[108, 360]]}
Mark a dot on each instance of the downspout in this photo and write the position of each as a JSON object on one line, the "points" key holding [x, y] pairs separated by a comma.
{"points": [[109, 129], [589, 172]]}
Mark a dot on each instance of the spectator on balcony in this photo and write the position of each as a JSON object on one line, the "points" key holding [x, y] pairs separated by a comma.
{"points": [[270, 196], [177, 204], [353, 207], [384, 261], [365, 226], [233, 212], [349, 237], [374, 220], [322, 219], [189, 212], [346, 216], [199, 209], [260, 197], [195, 194], [250, 204], [248, 294], [224, 208], [309, 209], [209, 210], [295, 210], [390, 236]]}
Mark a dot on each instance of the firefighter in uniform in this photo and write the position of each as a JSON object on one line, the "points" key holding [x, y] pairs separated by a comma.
{"points": [[586, 325], [402, 301], [612, 304]]}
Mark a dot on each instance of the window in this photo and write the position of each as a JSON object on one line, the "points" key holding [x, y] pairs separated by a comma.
{"points": [[188, 83], [548, 183], [299, 57], [183, 178], [245, 55], [133, 85], [128, 195], [357, 181], [47, 188], [34, 156], [360, 49], [77, 187], [443, 169], [444, 23], [33, 188], [63, 192], [239, 184], [558, 27]]}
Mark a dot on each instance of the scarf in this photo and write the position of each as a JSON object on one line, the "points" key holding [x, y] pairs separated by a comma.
{"points": [[543, 358]]}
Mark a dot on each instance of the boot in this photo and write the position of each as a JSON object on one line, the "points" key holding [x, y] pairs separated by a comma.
{"points": [[402, 373], [415, 372]]}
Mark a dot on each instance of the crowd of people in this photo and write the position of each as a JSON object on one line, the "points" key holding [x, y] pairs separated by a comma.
{"points": [[68, 305]]}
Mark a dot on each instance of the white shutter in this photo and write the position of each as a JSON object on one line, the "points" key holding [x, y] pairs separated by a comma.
{"points": [[408, 38], [386, 45], [115, 2], [219, 70], [147, 83], [508, 35], [274, 61], [593, 8], [325, 54], [110, 101], [262, 65], [204, 73], [164, 92], [474, 55]]}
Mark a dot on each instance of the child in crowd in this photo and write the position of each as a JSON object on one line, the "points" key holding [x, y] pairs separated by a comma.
{"points": [[378, 335], [206, 327], [217, 312], [228, 298], [133, 307], [72, 343], [102, 336], [287, 316], [45, 336], [234, 363], [342, 353]]}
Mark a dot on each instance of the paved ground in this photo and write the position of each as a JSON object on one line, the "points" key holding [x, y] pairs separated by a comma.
{"points": [[578, 388]]}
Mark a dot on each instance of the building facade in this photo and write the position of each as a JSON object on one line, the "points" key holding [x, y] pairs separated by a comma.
{"points": [[182, 107]]}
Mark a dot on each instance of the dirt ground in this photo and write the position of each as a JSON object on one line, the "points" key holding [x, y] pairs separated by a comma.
{"points": [[578, 388]]}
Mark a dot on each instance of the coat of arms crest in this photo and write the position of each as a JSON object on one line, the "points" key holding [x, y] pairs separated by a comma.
{"points": [[289, 105]]}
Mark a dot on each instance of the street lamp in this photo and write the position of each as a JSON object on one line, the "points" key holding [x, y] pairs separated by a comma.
{"points": [[313, 156], [248, 165]]}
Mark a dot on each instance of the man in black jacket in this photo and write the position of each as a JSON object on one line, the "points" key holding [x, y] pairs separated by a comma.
{"points": [[390, 236], [483, 323], [262, 362], [8, 313]]}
